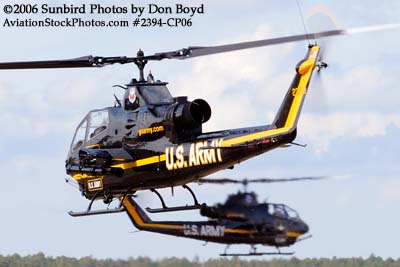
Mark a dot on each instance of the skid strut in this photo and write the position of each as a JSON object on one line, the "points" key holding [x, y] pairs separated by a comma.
{"points": [[89, 211], [164, 208]]}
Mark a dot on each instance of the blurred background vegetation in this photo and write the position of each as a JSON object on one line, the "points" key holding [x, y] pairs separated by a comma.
{"points": [[40, 260]]}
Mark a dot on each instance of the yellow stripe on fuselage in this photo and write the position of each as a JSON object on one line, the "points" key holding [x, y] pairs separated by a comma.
{"points": [[128, 165], [240, 231], [97, 146], [140, 162], [292, 234]]}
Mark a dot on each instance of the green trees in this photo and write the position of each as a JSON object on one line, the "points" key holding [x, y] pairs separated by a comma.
{"points": [[40, 260]]}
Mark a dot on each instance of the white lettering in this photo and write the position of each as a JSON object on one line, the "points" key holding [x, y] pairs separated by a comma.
{"points": [[200, 153], [169, 158], [180, 161], [192, 156]]}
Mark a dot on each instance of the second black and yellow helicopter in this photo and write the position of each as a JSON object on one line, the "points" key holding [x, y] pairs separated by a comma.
{"points": [[240, 220]]}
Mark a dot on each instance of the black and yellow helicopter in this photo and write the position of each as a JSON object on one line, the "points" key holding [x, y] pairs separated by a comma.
{"points": [[152, 140], [240, 220]]}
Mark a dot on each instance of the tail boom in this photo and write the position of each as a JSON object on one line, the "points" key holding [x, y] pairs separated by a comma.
{"points": [[201, 230]]}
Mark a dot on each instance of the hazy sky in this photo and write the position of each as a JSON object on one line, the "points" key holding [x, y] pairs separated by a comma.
{"points": [[351, 123]]}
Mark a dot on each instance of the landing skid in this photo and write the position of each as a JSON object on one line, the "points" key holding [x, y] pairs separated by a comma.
{"points": [[178, 208], [253, 252], [257, 254], [95, 212], [90, 212], [164, 208]]}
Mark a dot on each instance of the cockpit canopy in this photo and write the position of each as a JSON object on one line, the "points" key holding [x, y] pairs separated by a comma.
{"points": [[156, 94], [94, 123], [147, 94], [282, 211], [242, 199], [249, 199]]}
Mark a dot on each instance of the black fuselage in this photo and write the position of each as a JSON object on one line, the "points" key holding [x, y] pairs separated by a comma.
{"points": [[154, 140]]}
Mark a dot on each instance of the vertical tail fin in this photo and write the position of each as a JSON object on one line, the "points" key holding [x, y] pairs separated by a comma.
{"points": [[288, 114], [143, 222], [135, 213], [289, 111]]}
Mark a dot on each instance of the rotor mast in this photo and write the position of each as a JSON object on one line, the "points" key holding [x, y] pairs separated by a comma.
{"points": [[140, 62]]}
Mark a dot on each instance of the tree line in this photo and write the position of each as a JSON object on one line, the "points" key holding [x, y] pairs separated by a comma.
{"points": [[40, 260]]}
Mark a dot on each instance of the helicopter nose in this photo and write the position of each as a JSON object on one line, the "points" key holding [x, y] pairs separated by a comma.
{"points": [[303, 228]]}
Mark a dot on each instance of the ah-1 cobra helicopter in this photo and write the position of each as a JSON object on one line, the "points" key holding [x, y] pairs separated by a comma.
{"points": [[152, 140], [240, 220]]}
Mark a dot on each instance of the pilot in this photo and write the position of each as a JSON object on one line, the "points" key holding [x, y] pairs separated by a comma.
{"points": [[131, 99], [279, 213]]}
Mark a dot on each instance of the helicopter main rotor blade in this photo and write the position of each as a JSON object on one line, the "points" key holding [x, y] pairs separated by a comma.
{"points": [[81, 62], [372, 28], [283, 180], [259, 180], [219, 181], [185, 53], [192, 51], [197, 51]]}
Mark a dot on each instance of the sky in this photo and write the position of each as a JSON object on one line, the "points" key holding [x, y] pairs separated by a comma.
{"points": [[350, 123]]}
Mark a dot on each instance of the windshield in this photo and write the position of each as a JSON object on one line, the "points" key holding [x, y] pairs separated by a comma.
{"points": [[98, 122], [278, 210], [80, 135], [155, 94], [245, 199], [291, 212], [282, 211], [93, 124]]}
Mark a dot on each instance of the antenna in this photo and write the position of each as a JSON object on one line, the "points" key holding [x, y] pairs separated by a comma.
{"points": [[302, 20], [118, 101]]}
